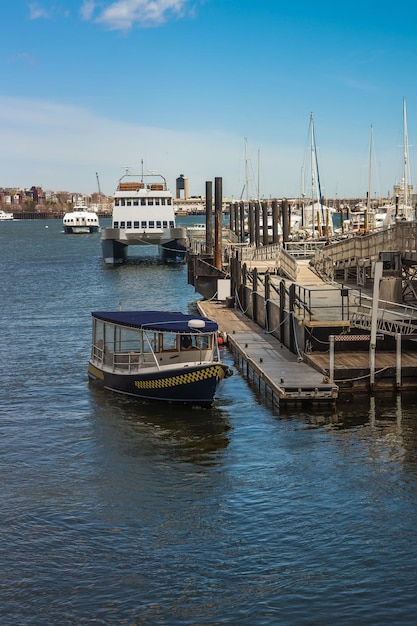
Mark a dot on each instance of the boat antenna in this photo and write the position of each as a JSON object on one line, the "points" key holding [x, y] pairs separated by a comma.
{"points": [[141, 163]]}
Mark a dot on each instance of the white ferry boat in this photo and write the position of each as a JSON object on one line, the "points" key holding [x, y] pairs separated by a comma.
{"points": [[143, 215], [81, 220], [4, 217]]}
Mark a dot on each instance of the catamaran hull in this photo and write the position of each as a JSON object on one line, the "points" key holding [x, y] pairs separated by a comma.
{"points": [[80, 230], [191, 385], [172, 244]]}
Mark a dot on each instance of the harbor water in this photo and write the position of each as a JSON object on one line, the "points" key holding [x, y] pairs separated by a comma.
{"points": [[118, 512]]}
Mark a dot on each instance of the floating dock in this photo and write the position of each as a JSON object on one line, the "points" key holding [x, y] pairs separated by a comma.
{"points": [[279, 375]]}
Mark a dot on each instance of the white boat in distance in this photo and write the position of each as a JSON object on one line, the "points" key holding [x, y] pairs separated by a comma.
{"points": [[143, 215], [81, 220], [4, 217]]}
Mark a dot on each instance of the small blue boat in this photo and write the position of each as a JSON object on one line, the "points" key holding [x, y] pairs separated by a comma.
{"points": [[157, 355]]}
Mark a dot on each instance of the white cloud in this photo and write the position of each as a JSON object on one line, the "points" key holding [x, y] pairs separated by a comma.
{"points": [[124, 14], [87, 9], [61, 147], [37, 12]]}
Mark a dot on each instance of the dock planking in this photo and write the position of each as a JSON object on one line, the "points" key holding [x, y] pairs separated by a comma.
{"points": [[279, 375]]}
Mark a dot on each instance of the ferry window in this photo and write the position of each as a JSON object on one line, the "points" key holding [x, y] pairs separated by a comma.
{"points": [[127, 340], [202, 342], [129, 225], [152, 224], [163, 201], [122, 224], [171, 223], [143, 202], [158, 224], [122, 202], [157, 202], [116, 225], [169, 341], [135, 202], [169, 201], [150, 201], [135, 224], [187, 342], [143, 224], [150, 342], [128, 203], [164, 224], [116, 202]]}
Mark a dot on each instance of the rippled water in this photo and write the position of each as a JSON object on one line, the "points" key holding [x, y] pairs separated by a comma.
{"points": [[115, 511]]}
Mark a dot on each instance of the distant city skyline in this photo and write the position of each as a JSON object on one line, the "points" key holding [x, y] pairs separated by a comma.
{"points": [[207, 88]]}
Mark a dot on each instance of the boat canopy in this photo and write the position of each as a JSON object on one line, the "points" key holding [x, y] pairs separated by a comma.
{"points": [[157, 320]]}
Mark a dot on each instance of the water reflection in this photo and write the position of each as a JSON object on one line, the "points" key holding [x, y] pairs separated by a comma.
{"points": [[194, 435]]}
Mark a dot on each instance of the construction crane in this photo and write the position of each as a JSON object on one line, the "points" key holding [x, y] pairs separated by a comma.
{"points": [[98, 184], [99, 191]]}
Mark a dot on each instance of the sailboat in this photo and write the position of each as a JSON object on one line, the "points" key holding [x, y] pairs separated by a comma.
{"points": [[401, 209], [315, 220]]}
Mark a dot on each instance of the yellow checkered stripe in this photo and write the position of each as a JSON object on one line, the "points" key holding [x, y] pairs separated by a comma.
{"points": [[182, 379], [95, 372]]}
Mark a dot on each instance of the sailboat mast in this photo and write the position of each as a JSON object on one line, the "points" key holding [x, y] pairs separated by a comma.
{"points": [[315, 170], [405, 177], [313, 173], [246, 169], [368, 201]]}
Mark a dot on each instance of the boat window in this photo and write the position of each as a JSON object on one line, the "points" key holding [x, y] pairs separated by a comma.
{"points": [[157, 202], [143, 224], [116, 202], [127, 340], [150, 201], [187, 342], [152, 224], [171, 223], [143, 202], [135, 202], [122, 224], [158, 224], [168, 341], [202, 342], [122, 202], [163, 201], [128, 203], [116, 225], [164, 224], [129, 225], [150, 343], [169, 201], [135, 224]]}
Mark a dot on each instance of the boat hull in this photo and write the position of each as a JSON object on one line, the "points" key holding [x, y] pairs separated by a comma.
{"points": [[80, 230], [194, 385], [172, 244]]}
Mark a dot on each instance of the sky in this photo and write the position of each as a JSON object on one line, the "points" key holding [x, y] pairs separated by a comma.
{"points": [[208, 88]]}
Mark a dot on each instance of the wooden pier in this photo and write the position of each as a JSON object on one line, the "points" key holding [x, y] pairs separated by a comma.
{"points": [[280, 376], [301, 314]]}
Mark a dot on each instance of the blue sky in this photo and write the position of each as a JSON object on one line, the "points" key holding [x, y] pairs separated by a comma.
{"points": [[92, 86]]}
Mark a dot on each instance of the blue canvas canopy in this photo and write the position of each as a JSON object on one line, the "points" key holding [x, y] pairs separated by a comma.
{"points": [[156, 320]]}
